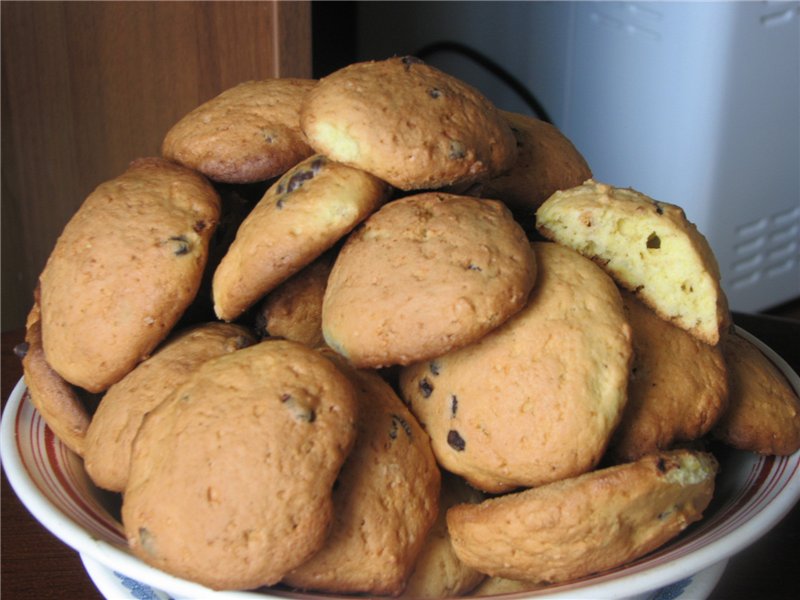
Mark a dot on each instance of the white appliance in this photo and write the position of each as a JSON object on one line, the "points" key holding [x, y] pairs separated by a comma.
{"points": [[693, 103]]}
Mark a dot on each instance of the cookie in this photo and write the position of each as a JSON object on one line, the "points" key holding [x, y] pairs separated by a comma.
{"points": [[587, 524], [302, 215], [425, 274], [678, 387], [649, 247], [764, 411], [248, 133], [547, 161], [408, 123], [56, 400], [538, 398], [231, 478], [126, 266], [293, 310], [386, 499], [120, 413], [438, 573]]}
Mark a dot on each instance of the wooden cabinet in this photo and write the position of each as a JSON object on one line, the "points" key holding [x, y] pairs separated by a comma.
{"points": [[89, 86]]}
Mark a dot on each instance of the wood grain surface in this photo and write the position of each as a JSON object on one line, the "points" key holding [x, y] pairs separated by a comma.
{"points": [[90, 86]]}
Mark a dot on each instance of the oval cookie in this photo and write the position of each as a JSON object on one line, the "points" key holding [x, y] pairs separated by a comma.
{"points": [[250, 132], [231, 478], [423, 275], [126, 266]]}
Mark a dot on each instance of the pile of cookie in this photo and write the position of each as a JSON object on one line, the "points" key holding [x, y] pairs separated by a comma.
{"points": [[372, 335]]}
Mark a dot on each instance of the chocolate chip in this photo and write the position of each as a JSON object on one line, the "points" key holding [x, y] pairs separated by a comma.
{"points": [[659, 210], [411, 60], [147, 541], [453, 405], [434, 367], [434, 93], [661, 465], [455, 441], [457, 150], [301, 412], [653, 241], [425, 387], [398, 421], [199, 226], [20, 350], [180, 245], [473, 267], [298, 179]]}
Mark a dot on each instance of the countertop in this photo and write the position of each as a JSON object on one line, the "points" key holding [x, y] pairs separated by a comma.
{"points": [[36, 565]]}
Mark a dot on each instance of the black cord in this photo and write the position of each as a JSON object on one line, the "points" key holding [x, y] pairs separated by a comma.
{"points": [[491, 66]]}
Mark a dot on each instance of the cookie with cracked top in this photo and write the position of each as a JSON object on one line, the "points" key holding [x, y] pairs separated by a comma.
{"points": [[232, 477], [58, 402], [586, 524], [123, 271], [678, 387], [385, 502], [122, 409], [408, 123], [301, 216], [423, 275], [248, 133], [763, 414], [547, 161], [538, 398], [293, 310]]}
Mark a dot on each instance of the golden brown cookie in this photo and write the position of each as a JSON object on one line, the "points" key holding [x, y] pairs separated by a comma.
{"points": [[56, 400], [120, 413], [538, 398], [302, 215], [386, 498], [547, 161], [250, 132], [126, 266], [764, 410], [425, 274], [492, 586], [649, 247], [587, 524], [678, 386], [293, 310], [407, 123], [231, 478], [438, 573]]}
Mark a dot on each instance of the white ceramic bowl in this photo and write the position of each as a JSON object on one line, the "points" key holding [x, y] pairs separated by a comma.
{"points": [[752, 494]]}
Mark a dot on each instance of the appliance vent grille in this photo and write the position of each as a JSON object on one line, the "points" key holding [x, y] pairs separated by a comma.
{"points": [[767, 247]]}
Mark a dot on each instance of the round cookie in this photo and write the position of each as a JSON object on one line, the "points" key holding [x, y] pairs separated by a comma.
{"points": [[231, 478], [677, 390], [538, 398], [438, 573], [293, 310], [119, 415], [408, 123], [248, 133], [386, 498], [547, 161], [56, 400], [302, 215], [425, 274], [764, 411], [587, 524], [126, 266], [649, 247]]}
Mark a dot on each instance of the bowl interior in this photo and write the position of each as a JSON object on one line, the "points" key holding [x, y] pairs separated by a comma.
{"points": [[752, 494]]}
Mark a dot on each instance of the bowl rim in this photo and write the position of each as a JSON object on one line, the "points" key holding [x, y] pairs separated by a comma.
{"points": [[613, 584]]}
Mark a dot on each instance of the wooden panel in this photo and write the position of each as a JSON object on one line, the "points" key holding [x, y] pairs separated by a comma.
{"points": [[89, 86]]}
